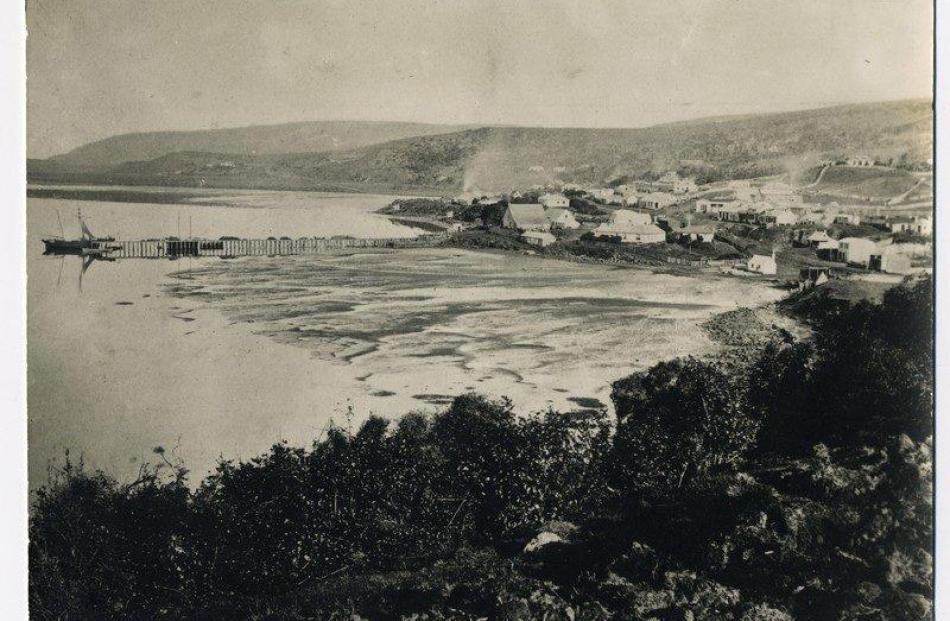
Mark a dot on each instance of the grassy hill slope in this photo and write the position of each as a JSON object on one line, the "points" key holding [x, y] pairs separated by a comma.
{"points": [[499, 158], [307, 137]]}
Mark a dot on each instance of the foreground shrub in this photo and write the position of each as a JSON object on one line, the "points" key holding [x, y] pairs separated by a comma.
{"points": [[679, 422]]}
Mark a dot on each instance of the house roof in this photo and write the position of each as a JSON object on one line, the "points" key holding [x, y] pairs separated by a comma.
{"points": [[632, 229], [627, 217], [527, 215], [643, 229], [819, 236]]}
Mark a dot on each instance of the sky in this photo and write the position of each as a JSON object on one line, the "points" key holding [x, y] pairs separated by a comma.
{"points": [[96, 68]]}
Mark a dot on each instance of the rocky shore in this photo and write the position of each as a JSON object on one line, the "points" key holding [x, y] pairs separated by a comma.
{"points": [[743, 331]]}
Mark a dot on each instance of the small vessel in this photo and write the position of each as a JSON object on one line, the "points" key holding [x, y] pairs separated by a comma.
{"points": [[86, 245]]}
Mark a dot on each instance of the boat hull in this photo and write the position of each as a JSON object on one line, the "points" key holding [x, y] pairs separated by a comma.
{"points": [[65, 246]]}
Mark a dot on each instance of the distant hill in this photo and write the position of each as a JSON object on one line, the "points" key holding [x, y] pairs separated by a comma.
{"points": [[307, 137], [500, 158]]}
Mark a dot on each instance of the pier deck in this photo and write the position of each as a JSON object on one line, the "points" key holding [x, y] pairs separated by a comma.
{"points": [[234, 247]]}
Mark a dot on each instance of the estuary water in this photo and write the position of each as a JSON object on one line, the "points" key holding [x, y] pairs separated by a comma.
{"points": [[209, 358]]}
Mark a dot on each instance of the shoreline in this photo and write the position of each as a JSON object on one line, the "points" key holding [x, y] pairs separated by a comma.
{"points": [[80, 179]]}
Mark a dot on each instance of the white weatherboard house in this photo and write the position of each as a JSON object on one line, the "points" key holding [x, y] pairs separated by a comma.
{"points": [[891, 260], [554, 200], [525, 217], [562, 219], [779, 217], [925, 226], [697, 232], [655, 200], [856, 250], [631, 227], [763, 264], [848, 218], [706, 205], [900, 224]]}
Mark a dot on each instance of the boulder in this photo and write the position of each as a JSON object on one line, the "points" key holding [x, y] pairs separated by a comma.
{"points": [[542, 539]]}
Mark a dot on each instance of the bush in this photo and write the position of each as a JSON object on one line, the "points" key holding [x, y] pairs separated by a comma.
{"points": [[679, 422]]}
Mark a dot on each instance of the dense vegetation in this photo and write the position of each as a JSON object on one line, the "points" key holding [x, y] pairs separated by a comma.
{"points": [[797, 484]]}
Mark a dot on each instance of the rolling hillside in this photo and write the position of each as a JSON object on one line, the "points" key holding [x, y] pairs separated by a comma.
{"points": [[499, 158], [306, 137]]}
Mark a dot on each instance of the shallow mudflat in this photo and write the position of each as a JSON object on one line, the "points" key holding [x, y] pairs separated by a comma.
{"points": [[423, 325]]}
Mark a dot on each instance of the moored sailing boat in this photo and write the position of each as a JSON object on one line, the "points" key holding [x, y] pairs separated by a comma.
{"points": [[87, 244]]}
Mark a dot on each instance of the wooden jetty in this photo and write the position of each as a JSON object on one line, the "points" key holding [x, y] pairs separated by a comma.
{"points": [[232, 247]]}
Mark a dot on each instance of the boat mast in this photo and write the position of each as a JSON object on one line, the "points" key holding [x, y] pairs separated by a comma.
{"points": [[86, 233]]}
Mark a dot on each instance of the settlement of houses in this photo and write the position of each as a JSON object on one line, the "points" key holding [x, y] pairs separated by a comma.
{"points": [[749, 225]]}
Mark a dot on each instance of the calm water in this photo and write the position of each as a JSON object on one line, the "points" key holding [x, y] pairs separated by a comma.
{"points": [[210, 358]]}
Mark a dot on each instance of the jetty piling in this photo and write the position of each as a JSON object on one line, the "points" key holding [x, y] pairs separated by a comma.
{"points": [[239, 247]]}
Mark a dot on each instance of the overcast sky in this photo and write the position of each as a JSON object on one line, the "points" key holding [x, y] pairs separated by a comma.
{"points": [[101, 67]]}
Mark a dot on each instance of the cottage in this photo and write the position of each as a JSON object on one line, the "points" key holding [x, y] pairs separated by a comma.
{"points": [[848, 218], [860, 160], [643, 234], [900, 224], [856, 250], [763, 264], [562, 219], [631, 227], [538, 238], [816, 238], [696, 233], [706, 205], [735, 212], [778, 217], [685, 186], [891, 261], [525, 217], [628, 217], [812, 215], [925, 226], [655, 200], [554, 200], [828, 250]]}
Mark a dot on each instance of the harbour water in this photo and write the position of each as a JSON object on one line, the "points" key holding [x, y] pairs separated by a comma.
{"points": [[210, 358]]}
